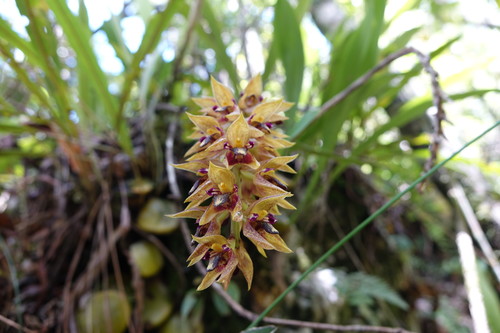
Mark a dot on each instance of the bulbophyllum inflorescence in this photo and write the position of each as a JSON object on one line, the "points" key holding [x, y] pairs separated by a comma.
{"points": [[236, 159]]}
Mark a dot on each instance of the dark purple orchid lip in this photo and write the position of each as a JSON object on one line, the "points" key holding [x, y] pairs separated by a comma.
{"points": [[271, 219]]}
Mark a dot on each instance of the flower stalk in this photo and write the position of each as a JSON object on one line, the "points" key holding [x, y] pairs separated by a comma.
{"points": [[236, 160]]}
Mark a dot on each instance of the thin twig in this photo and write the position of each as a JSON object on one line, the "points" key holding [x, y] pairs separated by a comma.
{"points": [[241, 311], [169, 156], [13, 324], [100, 257], [138, 286]]}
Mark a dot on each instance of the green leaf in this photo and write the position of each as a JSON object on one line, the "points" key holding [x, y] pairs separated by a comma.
{"points": [[362, 289], [22, 76], [155, 27], [300, 10], [15, 129], [214, 39], [106, 311], [188, 303], [44, 40], [401, 41], [221, 305], [113, 31], [490, 298], [146, 257], [79, 36], [270, 61], [262, 329], [410, 111], [14, 40], [351, 59], [290, 50]]}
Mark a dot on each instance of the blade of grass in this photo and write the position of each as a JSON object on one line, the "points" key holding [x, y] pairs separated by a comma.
{"points": [[22, 75], [214, 38], [410, 111], [44, 40], [13, 39], [355, 56], [300, 10], [7, 108], [365, 223], [113, 31], [490, 297], [14, 129], [156, 25], [418, 108], [79, 36], [290, 51]]}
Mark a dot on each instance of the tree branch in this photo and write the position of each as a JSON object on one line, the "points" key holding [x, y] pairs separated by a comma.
{"points": [[13, 324]]}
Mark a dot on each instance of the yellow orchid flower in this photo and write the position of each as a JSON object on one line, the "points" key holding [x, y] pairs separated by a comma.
{"points": [[224, 258], [236, 161]]}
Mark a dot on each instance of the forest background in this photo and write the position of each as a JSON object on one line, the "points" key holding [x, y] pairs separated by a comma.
{"points": [[92, 115]]}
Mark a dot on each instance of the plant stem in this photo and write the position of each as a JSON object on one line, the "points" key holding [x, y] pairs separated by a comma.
{"points": [[365, 223], [236, 225]]}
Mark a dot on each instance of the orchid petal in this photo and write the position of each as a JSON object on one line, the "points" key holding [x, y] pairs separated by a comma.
{"points": [[222, 94], [222, 177], [199, 195], [204, 102], [245, 264], [238, 133], [194, 213], [203, 123]]}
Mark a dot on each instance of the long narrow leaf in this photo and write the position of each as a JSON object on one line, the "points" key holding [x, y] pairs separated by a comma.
{"points": [[290, 50], [14, 40], [214, 38], [79, 36], [45, 42], [157, 24]]}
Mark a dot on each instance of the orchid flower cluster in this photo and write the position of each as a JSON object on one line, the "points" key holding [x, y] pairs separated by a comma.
{"points": [[236, 159]]}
